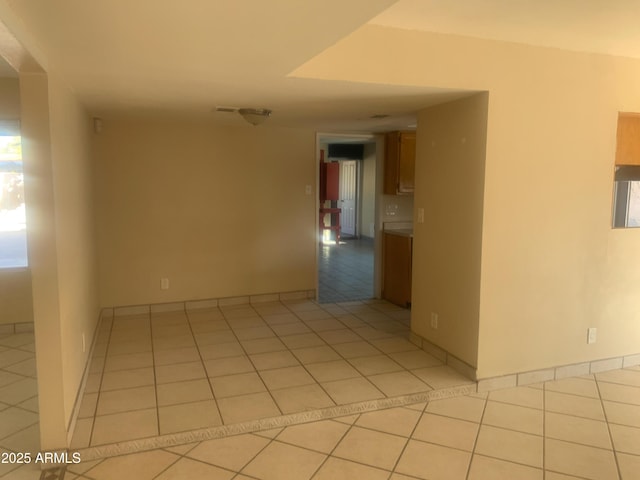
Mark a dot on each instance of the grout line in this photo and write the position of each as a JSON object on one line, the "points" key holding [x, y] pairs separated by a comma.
{"points": [[606, 418], [475, 442]]}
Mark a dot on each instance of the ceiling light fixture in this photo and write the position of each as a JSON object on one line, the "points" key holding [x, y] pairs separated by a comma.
{"points": [[255, 116]]}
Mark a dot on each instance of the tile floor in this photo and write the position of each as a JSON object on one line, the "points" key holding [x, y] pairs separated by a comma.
{"points": [[345, 271], [575, 428], [164, 373], [19, 420]]}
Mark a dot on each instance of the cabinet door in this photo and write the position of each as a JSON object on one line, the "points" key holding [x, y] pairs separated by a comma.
{"points": [[406, 162], [399, 163], [396, 283]]}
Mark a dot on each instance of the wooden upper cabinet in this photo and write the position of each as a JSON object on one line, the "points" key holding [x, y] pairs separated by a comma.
{"points": [[399, 163], [628, 139]]}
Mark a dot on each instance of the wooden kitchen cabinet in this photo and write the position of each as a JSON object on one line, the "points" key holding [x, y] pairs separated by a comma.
{"points": [[399, 163], [628, 139], [396, 265]]}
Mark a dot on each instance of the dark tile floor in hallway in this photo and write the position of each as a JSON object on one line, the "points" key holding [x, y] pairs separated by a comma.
{"points": [[345, 271]]}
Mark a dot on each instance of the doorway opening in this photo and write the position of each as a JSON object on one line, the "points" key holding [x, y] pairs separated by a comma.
{"points": [[347, 201]]}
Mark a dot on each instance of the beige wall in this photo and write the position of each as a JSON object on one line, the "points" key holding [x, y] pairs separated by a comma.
{"points": [[218, 211], [367, 208], [60, 238], [447, 246], [552, 266]]}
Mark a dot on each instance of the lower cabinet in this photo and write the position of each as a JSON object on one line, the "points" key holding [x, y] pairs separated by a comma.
{"points": [[396, 266]]}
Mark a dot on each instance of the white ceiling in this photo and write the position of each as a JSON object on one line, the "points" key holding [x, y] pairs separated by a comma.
{"points": [[189, 56]]}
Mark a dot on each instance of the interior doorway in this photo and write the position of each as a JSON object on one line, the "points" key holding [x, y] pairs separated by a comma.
{"points": [[346, 253]]}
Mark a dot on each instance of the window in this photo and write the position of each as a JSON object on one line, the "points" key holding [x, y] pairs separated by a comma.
{"points": [[13, 231]]}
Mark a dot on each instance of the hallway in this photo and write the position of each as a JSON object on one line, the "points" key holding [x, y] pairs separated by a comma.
{"points": [[345, 271]]}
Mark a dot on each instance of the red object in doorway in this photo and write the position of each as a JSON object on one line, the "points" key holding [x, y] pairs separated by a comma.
{"points": [[329, 181]]}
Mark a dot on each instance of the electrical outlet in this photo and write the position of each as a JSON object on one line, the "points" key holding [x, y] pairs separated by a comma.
{"points": [[434, 320], [164, 283], [591, 335]]}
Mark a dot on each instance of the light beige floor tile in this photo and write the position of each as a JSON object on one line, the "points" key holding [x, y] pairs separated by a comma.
{"points": [[352, 390], [221, 350], [369, 447], [293, 328], [577, 430], [254, 333], [302, 398], [622, 413], [446, 431], [170, 331], [286, 377], [415, 359], [82, 467], [580, 460], [183, 392], [375, 365], [336, 337], [620, 393], [232, 452], [574, 405], [320, 436], [244, 323], [141, 466], [522, 396], [508, 445], [356, 349], [398, 421], [339, 469], [464, 408], [315, 354], [398, 383], [177, 355], [192, 469], [121, 348], [441, 377], [228, 366], [188, 416], [213, 338], [11, 357], [558, 476], [428, 461], [280, 318], [513, 417], [165, 343], [347, 419], [128, 361], [180, 372], [626, 439], [393, 345], [82, 433], [125, 426], [247, 407], [14, 419], [270, 360], [181, 449], [19, 391], [303, 340], [271, 433], [234, 385], [116, 401], [27, 440], [585, 387], [26, 367], [279, 461], [7, 378], [333, 370], [419, 407], [121, 379], [629, 466], [263, 345], [622, 376], [485, 468], [30, 404]]}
